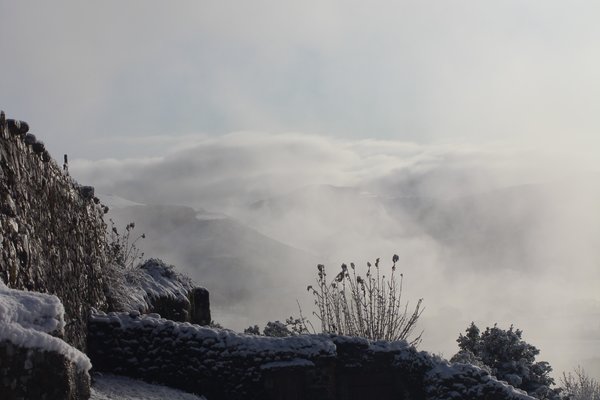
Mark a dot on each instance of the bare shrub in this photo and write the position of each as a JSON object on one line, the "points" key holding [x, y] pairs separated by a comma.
{"points": [[124, 259], [579, 386], [122, 248], [369, 307]]}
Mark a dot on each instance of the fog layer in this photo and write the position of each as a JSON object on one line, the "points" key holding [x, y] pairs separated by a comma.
{"points": [[485, 234]]}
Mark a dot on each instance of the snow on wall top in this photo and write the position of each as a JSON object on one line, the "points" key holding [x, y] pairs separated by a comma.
{"points": [[164, 281], [152, 280], [444, 372], [27, 318], [225, 359], [236, 343], [374, 346], [155, 279], [111, 387], [38, 311]]}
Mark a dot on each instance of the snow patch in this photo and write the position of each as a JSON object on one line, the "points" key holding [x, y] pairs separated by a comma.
{"points": [[302, 345], [32, 339], [39, 311], [445, 372], [163, 280], [27, 318], [113, 387], [374, 346], [155, 279], [297, 362]]}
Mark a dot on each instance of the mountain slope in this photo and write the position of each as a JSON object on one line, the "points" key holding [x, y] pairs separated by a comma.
{"points": [[242, 268]]}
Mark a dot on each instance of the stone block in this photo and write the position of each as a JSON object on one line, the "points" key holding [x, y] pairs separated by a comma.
{"points": [[38, 147], [30, 139], [200, 306], [16, 127], [87, 192], [33, 374]]}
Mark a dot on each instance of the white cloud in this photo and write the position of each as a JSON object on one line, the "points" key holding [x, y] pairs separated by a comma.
{"points": [[514, 71], [218, 172], [475, 239]]}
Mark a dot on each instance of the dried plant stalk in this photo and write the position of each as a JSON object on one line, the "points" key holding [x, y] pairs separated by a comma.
{"points": [[369, 307]]}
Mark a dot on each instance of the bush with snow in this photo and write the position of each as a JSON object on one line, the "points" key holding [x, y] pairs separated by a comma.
{"points": [[124, 258], [508, 357], [291, 327], [276, 329]]}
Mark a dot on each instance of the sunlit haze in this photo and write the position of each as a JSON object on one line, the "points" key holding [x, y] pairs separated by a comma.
{"points": [[461, 135]]}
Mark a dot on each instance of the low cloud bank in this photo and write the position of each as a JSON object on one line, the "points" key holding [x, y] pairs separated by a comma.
{"points": [[485, 234]]}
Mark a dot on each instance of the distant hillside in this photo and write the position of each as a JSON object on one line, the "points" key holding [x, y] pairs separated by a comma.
{"points": [[241, 267]]}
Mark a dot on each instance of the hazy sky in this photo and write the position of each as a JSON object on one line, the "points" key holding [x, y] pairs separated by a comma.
{"points": [[218, 104], [88, 74]]}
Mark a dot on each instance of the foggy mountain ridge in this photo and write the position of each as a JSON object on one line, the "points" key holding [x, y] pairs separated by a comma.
{"points": [[173, 217], [242, 268], [501, 228], [499, 255], [504, 228]]}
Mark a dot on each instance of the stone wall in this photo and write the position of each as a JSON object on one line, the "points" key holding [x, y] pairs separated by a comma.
{"points": [[33, 373], [158, 288], [222, 364], [35, 363], [195, 309], [51, 229]]}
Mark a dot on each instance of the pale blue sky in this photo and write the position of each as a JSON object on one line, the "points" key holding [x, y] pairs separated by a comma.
{"points": [[81, 73]]}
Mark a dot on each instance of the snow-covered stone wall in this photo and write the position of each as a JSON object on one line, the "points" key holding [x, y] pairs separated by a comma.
{"points": [[34, 362], [51, 229], [157, 287], [33, 374], [222, 364]]}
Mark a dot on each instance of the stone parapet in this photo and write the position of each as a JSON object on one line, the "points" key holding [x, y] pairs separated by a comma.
{"points": [[224, 365]]}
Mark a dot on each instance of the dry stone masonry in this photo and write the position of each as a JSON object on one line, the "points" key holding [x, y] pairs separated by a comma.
{"points": [[158, 288], [53, 271], [35, 363], [224, 365], [51, 231]]}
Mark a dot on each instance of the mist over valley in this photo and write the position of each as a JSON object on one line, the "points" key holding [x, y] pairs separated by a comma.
{"points": [[477, 242]]}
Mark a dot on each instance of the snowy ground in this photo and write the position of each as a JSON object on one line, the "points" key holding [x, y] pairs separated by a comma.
{"points": [[113, 387]]}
